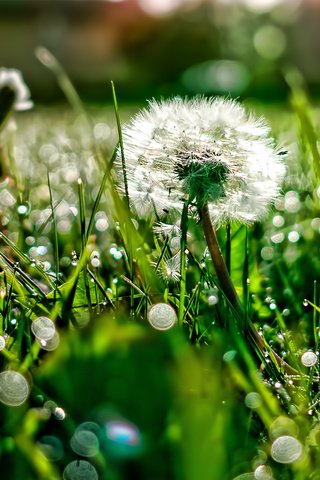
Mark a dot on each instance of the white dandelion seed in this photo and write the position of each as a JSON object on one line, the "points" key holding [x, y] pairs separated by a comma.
{"points": [[12, 78], [172, 268], [207, 150], [167, 229], [209, 153]]}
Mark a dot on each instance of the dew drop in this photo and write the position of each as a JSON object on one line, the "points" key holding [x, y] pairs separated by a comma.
{"points": [[23, 209], [51, 447], [277, 237], [42, 250], [315, 223], [293, 236], [162, 316], [2, 342], [278, 221], [267, 253], [102, 224], [59, 413], [84, 441], [253, 400], [51, 344], [262, 472], [117, 255], [80, 470], [213, 300], [43, 328], [286, 449], [14, 388], [95, 262], [282, 426], [229, 356], [309, 359]]}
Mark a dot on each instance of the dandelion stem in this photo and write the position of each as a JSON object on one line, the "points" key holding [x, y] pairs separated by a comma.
{"points": [[183, 241], [228, 246], [230, 292]]}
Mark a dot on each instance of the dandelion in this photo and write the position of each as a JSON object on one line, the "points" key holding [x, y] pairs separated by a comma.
{"points": [[12, 80], [203, 150], [210, 154], [171, 268], [14, 94]]}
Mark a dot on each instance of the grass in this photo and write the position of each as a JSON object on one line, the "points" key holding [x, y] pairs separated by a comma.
{"points": [[194, 402]]}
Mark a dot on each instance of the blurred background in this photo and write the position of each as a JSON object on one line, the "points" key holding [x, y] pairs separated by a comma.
{"points": [[153, 48]]}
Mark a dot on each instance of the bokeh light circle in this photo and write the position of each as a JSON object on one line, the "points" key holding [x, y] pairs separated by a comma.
{"points": [[14, 388], [162, 316], [85, 440], [43, 328], [309, 359], [286, 449], [80, 470]]}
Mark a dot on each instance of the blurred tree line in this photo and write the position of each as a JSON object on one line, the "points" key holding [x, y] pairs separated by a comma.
{"points": [[208, 47]]}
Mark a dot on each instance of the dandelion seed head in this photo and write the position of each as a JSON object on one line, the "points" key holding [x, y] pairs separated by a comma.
{"points": [[208, 150], [12, 78]]}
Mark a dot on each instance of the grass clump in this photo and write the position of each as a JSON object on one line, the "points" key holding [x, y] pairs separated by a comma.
{"points": [[221, 387]]}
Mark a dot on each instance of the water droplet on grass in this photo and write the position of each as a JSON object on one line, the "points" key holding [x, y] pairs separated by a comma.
{"points": [[286, 449], [84, 441], [282, 426], [267, 253], [277, 237], [278, 221], [14, 388], [253, 400], [51, 447], [213, 300], [59, 413], [2, 342], [80, 470], [95, 262], [123, 439], [262, 472], [162, 316], [293, 236], [43, 328], [117, 255], [50, 345], [309, 359], [229, 356], [23, 209], [102, 225], [42, 250]]}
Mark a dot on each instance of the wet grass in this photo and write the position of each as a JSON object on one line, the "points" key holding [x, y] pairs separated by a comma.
{"points": [[108, 396]]}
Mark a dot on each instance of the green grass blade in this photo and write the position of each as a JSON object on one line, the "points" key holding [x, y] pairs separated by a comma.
{"points": [[55, 238], [123, 161], [50, 61]]}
